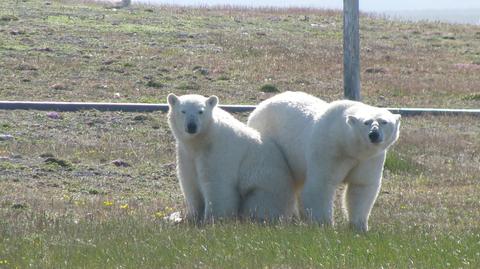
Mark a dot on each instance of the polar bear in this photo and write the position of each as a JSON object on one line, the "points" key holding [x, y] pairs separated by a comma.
{"points": [[329, 144], [225, 168]]}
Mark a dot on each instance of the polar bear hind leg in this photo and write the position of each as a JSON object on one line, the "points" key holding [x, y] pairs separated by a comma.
{"points": [[318, 195], [221, 201], [266, 206]]}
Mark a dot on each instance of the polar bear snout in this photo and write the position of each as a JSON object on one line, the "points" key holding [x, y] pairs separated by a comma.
{"points": [[191, 127], [375, 136]]}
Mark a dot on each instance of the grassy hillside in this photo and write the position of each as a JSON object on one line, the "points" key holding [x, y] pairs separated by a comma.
{"points": [[91, 189], [52, 50]]}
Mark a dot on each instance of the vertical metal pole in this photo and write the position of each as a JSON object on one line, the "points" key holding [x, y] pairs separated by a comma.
{"points": [[351, 50]]}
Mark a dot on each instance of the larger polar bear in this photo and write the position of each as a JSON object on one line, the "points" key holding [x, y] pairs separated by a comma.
{"points": [[329, 144], [225, 168]]}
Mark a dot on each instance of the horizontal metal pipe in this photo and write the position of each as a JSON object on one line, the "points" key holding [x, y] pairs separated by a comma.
{"points": [[434, 111], [126, 107], [140, 107]]}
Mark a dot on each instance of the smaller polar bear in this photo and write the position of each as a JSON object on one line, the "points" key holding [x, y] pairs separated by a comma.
{"points": [[225, 168], [329, 144]]}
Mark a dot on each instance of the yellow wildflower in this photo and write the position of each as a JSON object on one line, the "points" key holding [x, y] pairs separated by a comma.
{"points": [[160, 214]]}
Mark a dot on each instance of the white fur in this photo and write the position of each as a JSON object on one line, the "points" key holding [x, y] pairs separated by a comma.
{"points": [[328, 144], [225, 168]]}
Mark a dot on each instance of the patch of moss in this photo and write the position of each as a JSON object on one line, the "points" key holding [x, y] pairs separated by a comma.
{"points": [[154, 84], [472, 97], [11, 166], [53, 162], [269, 88], [8, 18], [150, 100], [188, 86]]}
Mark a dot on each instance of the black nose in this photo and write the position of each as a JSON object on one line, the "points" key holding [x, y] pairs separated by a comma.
{"points": [[191, 128], [374, 136]]}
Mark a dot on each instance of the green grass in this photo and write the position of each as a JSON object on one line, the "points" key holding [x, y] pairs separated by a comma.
{"points": [[398, 164], [126, 241]]}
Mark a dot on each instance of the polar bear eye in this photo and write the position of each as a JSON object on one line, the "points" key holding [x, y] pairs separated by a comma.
{"points": [[382, 122], [200, 112], [368, 122], [183, 112]]}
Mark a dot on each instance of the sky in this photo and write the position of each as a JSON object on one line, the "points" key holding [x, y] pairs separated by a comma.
{"points": [[365, 5]]}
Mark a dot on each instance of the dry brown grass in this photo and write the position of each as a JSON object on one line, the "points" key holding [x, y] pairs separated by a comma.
{"points": [[144, 52], [430, 181], [88, 142], [440, 187], [147, 52]]}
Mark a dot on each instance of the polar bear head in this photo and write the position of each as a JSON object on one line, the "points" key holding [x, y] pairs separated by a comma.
{"points": [[190, 115], [376, 127]]}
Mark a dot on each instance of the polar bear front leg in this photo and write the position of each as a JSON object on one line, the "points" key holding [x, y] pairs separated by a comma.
{"points": [[363, 185], [190, 188], [359, 200]]}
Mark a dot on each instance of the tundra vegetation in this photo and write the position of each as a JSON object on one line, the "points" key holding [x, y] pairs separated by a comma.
{"points": [[91, 189]]}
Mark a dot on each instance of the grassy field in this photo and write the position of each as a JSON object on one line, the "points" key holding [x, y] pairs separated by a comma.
{"points": [[91, 189]]}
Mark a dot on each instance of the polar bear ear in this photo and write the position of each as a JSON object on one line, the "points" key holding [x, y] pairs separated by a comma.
{"points": [[172, 99], [397, 117], [352, 119], [212, 101]]}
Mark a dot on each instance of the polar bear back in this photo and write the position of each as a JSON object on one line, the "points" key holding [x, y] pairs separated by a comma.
{"points": [[228, 128], [261, 167], [261, 159], [287, 118]]}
